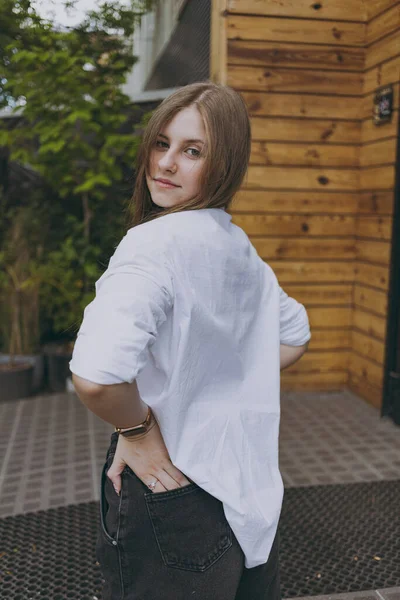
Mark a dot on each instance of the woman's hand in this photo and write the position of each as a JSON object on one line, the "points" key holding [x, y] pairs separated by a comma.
{"points": [[148, 458]]}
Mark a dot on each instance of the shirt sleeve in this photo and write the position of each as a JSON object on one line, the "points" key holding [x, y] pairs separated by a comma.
{"points": [[133, 298], [294, 324]]}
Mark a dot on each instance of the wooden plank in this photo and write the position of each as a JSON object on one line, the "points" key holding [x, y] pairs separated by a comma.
{"points": [[296, 225], [381, 50], [373, 251], [379, 228], [278, 248], [333, 339], [388, 72], [368, 346], [369, 324], [371, 132], [307, 155], [218, 41], [378, 178], [303, 56], [276, 29], [303, 178], [379, 153], [302, 105], [376, 203], [336, 380], [321, 294], [305, 130], [383, 24], [277, 79], [338, 10], [366, 390], [328, 271], [374, 275], [367, 103], [366, 369], [375, 7], [329, 316], [278, 201], [320, 362], [370, 299]]}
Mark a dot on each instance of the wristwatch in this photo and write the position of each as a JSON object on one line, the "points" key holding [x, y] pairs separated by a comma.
{"points": [[138, 429]]}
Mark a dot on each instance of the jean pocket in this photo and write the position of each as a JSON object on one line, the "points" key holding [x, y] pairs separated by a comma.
{"points": [[106, 507], [107, 549], [190, 527]]}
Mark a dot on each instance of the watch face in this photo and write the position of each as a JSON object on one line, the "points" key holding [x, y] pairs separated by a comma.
{"points": [[138, 431]]}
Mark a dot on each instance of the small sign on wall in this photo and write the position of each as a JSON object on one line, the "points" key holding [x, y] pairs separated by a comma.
{"points": [[383, 105]]}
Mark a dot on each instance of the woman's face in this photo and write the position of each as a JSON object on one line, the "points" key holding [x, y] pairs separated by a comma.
{"points": [[177, 159]]}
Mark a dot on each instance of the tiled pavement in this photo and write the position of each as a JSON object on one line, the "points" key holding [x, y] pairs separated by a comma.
{"points": [[52, 449], [336, 438]]}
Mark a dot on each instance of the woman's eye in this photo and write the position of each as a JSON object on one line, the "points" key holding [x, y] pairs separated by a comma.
{"points": [[193, 152]]}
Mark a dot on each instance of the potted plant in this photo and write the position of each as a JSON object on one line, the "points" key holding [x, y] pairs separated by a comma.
{"points": [[58, 355], [75, 128], [21, 362], [68, 276]]}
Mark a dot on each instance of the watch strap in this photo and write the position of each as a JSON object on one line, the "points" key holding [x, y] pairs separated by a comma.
{"points": [[137, 429]]}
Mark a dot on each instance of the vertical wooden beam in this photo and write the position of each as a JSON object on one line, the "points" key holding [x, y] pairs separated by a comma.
{"points": [[218, 50]]}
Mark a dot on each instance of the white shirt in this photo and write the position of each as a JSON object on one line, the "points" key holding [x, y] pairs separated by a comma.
{"points": [[189, 310]]}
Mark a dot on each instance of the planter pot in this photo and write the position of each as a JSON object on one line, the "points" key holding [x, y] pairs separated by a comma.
{"points": [[15, 382], [37, 361], [57, 359]]}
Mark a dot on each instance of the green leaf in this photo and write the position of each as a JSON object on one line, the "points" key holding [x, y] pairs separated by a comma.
{"points": [[52, 147], [83, 115], [92, 182]]}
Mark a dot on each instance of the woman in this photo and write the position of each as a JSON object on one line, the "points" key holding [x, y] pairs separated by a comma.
{"points": [[181, 351]]}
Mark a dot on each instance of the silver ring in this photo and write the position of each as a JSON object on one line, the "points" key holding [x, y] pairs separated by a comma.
{"points": [[153, 484]]}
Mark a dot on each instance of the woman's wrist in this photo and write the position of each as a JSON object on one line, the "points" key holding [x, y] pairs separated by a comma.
{"points": [[119, 404], [131, 418], [143, 420]]}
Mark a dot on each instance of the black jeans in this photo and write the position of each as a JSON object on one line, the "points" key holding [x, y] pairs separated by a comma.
{"points": [[173, 545]]}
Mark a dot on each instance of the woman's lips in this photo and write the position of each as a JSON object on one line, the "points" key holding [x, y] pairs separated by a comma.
{"points": [[164, 184]]}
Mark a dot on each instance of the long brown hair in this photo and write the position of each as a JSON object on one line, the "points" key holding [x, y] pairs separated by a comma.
{"points": [[228, 134]]}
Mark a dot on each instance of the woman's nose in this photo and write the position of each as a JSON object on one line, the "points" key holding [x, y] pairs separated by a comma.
{"points": [[168, 161]]}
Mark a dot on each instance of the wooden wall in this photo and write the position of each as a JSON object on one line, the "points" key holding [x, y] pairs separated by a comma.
{"points": [[310, 205], [376, 202]]}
